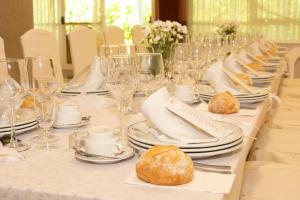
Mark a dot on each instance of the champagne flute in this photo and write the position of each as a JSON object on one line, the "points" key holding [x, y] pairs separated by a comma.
{"points": [[121, 81], [44, 85], [13, 77]]}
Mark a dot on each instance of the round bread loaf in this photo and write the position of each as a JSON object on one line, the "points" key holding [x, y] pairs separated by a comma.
{"points": [[256, 66], [28, 102], [224, 103], [165, 165]]}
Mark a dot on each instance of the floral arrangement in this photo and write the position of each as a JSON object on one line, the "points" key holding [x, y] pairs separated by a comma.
{"points": [[227, 28], [162, 35]]}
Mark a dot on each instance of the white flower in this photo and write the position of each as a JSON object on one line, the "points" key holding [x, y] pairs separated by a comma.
{"points": [[156, 38]]}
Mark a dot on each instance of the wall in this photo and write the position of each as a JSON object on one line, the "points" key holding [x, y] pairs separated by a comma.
{"points": [[16, 17]]}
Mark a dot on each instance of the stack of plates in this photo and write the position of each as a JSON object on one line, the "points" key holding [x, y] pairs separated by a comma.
{"points": [[76, 92], [260, 95], [263, 78], [140, 138], [25, 122]]}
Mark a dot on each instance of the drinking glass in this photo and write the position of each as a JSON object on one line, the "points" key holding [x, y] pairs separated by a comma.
{"points": [[121, 81], [43, 84], [150, 72], [12, 80]]}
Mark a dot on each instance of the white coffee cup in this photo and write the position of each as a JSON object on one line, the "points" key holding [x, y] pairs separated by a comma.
{"points": [[184, 93], [68, 114], [101, 141]]}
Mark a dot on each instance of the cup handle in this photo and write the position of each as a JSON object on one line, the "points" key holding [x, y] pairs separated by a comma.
{"points": [[118, 148]]}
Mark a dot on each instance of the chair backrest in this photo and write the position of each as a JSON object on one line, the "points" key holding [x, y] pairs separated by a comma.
{"points": [[137, 34], [2, 51], [113, 35], [38, 42], [83, 47], [294, 55]]}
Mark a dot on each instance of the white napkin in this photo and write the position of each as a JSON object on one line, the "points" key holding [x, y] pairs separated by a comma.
{"points": [[92, 75], [218, 79], [255, 49], [203, 108], [168, 123], [231, 63], [243, 56], [202, 182]]}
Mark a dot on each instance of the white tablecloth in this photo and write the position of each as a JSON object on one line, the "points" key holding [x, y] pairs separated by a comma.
{"points": [[57, 174]]}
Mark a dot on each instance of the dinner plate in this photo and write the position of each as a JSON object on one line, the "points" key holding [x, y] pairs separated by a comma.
{"points": [[140, 132], [127, 154], [21, 130], [192, 150], [83, 122], [100, 91], [198, 155], [22, 126], [23, 116]]}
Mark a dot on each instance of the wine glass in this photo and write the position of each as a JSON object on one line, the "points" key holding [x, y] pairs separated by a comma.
{"points": [[121, 81], [12, 80], [43, 83], [150, 72]]}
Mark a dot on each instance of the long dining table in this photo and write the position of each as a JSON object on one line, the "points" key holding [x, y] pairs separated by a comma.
{"points": [[57, 174]]}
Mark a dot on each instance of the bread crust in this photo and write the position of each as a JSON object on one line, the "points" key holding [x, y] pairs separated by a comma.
{"points": [[223, 103], [165, 165]]}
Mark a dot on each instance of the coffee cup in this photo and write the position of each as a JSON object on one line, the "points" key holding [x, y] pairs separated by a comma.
{"points": [[68, 114], [184, 93], [101, 141]]}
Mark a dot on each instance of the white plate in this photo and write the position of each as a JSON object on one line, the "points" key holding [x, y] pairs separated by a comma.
{"points": [[100, 91], [21, 130], [23, 116], [139, 132], [200, 155], [64, 126], [261, 92], [19, 127], [128, 153], [192, 150]]}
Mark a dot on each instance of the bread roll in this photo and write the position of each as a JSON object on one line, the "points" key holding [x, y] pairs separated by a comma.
{"points": [[224, 103], [256, 66], [245, 78], [28, 102], [165, 165]]}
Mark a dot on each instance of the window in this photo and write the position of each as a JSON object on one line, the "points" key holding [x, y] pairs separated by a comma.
{"points": [[275, 19]]}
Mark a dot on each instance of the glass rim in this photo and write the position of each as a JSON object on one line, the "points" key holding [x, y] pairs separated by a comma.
{"points": [[33, 58], [11, 59], [149, 53]]}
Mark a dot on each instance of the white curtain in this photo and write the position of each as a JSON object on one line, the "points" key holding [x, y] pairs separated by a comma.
{"points": [[275, 19]]}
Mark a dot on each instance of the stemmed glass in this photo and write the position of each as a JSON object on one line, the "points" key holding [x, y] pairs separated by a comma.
{"points": [[43, 84], [12, 80], [121, 81], [150, 72]]}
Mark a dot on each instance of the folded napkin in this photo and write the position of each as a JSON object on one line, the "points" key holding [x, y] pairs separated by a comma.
{"points": [[254, 49], [231, 63], [156, 113], [202, 182], [243, 56], [90, 79], [203, 108], [218, 79]]}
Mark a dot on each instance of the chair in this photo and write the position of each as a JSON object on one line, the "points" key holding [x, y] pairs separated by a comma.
{"points": [[268, 180], [38, 42], [137, 34], [83, 47], [2, 50], [113, 35], [294, 55]]}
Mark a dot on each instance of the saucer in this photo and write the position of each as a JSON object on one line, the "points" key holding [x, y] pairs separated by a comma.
{"points": [[84, 156], [84, 122]]}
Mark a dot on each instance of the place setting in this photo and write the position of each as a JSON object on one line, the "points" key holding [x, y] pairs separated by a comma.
{"points": [[90, 80], [210, 138], [100, 145]]}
